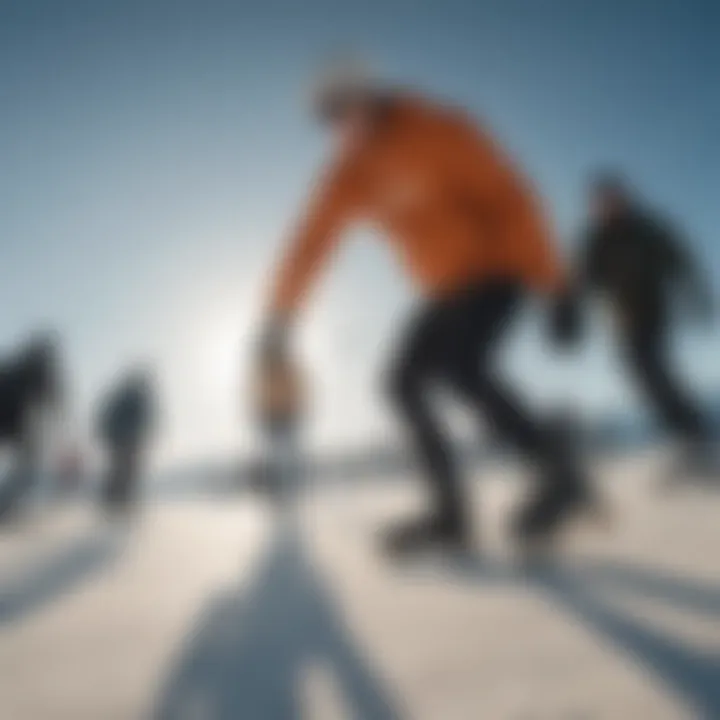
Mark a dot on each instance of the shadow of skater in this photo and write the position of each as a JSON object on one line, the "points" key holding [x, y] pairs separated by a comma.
{"points": [[700, 598], [692, 674], [247, 656], [56, 576]]}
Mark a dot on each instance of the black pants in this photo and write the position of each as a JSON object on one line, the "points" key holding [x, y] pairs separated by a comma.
{"points": [[452, 343], [22, 479], [14, 488], [646, 340], [123, 476]]}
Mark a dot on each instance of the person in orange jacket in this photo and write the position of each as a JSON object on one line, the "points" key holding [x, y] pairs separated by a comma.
{"points": [[471, 232]]}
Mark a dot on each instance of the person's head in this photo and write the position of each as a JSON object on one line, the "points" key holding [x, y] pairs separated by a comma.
{"points": [[139, 377], [346, 102], [608, 197]]}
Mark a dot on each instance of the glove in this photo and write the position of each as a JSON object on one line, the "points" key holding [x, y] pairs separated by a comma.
{"points": [[272, 347], [566, 322], [277, 383]]}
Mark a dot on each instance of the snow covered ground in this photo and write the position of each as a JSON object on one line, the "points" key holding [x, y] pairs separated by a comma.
{"points": [[210, 608]]}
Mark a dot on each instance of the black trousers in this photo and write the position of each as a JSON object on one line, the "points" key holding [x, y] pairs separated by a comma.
{"points": [[15, 487], [452, 343], [123, 476], [21, 480], [646, 339]]}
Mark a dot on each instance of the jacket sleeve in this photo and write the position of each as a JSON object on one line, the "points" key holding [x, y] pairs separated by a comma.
{"points": [[328, 211]]}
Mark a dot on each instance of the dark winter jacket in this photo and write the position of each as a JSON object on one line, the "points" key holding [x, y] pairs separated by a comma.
{"points": [[636, 260], [126, 417]]}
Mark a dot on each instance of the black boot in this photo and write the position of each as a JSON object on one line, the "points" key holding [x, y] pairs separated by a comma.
{"points": [[424, 533], [565, 491], [697, 462], [556, 504]]}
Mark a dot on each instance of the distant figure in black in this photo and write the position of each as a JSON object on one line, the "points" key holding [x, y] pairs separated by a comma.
{"points": [[30, 389], [640, 265], [126, 422]]}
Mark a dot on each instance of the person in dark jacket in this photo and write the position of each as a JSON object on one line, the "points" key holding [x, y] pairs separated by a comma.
{"points": [[30, 388], [643, 268], [126, 422]]}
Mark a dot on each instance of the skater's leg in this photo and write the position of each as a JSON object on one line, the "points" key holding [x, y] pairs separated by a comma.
{"points": [[130, 476], [114, 475], [22, 478], [409, 383], [14, 490], [479, 322], [649, 361]]}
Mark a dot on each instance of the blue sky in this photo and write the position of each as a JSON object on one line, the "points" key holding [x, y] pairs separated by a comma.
{"points": [[154, 154]]}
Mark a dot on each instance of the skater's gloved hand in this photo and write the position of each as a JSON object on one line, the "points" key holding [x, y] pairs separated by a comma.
{"points": [[565, 323], [273, 345], [278, 397]]}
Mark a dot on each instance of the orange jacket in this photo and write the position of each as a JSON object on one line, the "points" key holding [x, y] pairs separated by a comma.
{"points": [[448, 200]]}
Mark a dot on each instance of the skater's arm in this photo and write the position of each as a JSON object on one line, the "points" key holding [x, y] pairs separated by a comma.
{"points": [[586, 274], [568, 315], [312, 242]]}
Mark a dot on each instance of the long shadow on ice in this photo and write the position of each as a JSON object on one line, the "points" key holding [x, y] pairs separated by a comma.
{"points": [[252, 647], [578, 590], [63, 571]]}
